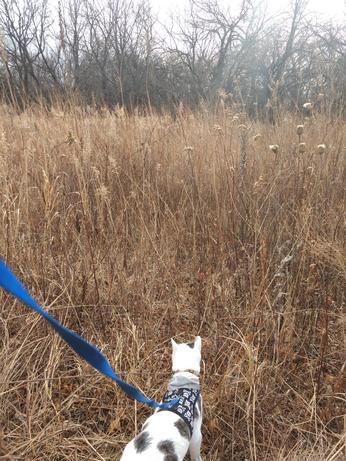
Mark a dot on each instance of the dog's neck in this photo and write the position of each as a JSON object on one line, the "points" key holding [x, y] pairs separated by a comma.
{"points": [[184, 379]]}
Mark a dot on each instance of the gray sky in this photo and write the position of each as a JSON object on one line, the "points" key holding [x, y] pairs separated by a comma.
{"points": [[326, 8]]}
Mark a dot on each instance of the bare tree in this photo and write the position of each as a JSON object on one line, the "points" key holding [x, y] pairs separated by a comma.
{"points": [[114, 52], [24, 25]]}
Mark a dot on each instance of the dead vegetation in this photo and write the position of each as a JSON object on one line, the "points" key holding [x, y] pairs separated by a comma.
{"points": [[133, 229]]}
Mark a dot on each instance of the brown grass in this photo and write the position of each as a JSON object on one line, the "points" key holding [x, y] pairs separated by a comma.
{"points": [[129, 236]]}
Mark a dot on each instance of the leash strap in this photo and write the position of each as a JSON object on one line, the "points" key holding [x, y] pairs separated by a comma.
{"points": [[83, 348]]}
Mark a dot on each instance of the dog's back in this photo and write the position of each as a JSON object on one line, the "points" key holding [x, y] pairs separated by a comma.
{"points": [[164, 437]]}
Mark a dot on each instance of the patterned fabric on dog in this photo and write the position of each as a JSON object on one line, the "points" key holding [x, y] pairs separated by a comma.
{"points": [[185, 405]]}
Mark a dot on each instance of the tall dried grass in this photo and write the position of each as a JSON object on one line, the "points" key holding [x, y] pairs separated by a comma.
{"points": [[133, 229]]}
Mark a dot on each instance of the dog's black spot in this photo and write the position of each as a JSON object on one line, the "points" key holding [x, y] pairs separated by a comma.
{"points": [[192, 345], [142, 442], [182, 428], [167, 448]]}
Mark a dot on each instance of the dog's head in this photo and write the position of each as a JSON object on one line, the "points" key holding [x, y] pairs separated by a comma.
{"points": [[187, 356]]}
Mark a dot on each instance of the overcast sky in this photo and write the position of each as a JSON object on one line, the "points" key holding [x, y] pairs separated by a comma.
{"points": [[325, 8]]}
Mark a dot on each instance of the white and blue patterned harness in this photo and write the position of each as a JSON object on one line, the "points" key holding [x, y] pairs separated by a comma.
{"points": [[186, 392]]}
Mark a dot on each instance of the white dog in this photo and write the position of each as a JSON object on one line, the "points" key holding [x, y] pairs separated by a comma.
{"points": [[167, 435]]}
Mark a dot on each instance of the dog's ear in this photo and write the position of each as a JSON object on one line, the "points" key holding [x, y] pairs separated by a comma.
{"points": [[174, 344], [198, 342]]}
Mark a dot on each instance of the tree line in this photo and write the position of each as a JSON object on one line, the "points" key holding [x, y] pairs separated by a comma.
{"points": [[117, 52]]}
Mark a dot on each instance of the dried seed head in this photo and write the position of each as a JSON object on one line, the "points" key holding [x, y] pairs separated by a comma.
{"points": [[221, 93], [274, 148], [321, 148], [300, 129], [302, 147], [102, 192], [308, 106]]}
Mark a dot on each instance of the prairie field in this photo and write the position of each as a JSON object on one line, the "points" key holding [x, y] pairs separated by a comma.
{"points": [[132, 229]]}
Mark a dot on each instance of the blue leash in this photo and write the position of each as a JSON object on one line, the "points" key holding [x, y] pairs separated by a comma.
{"points": [[87, 351]]}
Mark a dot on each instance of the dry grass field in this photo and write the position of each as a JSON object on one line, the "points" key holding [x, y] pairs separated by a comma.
{"points": [[132, 229]]}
